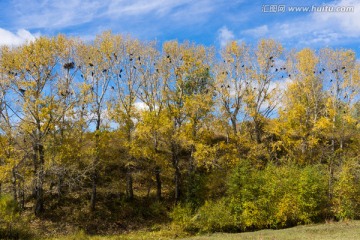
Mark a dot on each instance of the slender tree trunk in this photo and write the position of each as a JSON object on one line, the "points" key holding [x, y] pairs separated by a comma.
{"points": [[177, 184], [233, 124], [157, 172], [191, 171], [95, 173], [148, 190], [331, 170], [331, 176], [39, 182], [59, 184], [158, 183], [129, 177], [177, 175], [93, 192], [13, 181], [21, 193], [258, 131], [129, 184], [94, 178]]}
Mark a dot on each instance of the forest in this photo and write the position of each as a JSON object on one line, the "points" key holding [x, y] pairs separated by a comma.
{"points": [[118, 134]]}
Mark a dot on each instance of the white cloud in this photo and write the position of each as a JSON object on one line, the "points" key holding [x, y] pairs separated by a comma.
{"points": [[281, 85], [315, 28], [61, 14], [14, 39], [141, 106], [257, 32], [327, 28], [225, 36], [56, 14], [138, 7], [347, 23]]}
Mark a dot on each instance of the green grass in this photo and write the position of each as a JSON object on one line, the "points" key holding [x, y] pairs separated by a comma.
{"points": [[334, 230], [340, 230]]}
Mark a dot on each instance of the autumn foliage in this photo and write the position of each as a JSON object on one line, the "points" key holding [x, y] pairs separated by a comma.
{"points": [[255, 136]]}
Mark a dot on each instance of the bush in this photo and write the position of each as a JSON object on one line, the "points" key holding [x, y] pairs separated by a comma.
{"points": [[312, 194], [346, 200], [195, 191], [273, 197], [157, 209], [278, 196], [11, 224], [215, 217], [182, 215]]}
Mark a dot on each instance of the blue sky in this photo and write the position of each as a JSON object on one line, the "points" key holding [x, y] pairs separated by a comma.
{"points": [[209, 22]]}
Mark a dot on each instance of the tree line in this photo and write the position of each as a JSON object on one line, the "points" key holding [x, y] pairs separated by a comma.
{"points": [[130, 118]]}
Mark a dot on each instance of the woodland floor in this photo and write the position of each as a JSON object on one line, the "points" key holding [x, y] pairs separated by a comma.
{"points": [[332, 230]]}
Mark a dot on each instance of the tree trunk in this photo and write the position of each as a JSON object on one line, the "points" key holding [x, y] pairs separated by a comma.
{"points": [[177, 175], [93, 192], [21, 193], [96, 160], [59, 184], [258, 131], [129, 185], [13, 181], [177, 184], [191, 174], [331, 176], [94, 178], [158, 183], [129, 177], [39, 182], [233, 124]]}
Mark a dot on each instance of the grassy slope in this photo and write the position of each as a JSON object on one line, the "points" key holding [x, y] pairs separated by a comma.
{"points": [[340, 230]]}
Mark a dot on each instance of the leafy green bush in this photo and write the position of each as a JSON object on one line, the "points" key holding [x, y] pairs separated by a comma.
{"points": [[182, 215], [312, 193], [195, 191], [215, 217], [157, 209], [277, 196], [346, 200], [245, 192], [11, 224], [273, 197]]}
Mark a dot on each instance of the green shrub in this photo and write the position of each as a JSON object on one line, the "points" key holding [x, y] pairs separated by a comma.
{"points": [[157, 209], [277, 196], [346, 200], [215, 217], [11, 224], [182, 215], [273, 197], [195, 191], [312, 193]]}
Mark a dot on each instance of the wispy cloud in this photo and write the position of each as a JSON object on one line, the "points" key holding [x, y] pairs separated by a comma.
{"points": [[55, 14], [309, 28], [316, 28], [117, 9], [225, 36], [62, 14], [141, 18], [14, 39], [203, 21], [257, 31]]}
